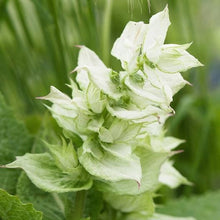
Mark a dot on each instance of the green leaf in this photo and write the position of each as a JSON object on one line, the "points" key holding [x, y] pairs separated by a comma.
{"points": [[48, 203], [201, 207], [44, 173], [14, 140], [11, 208]]}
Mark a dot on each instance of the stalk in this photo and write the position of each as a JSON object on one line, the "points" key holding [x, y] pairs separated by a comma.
{"points": [[78, 206], [106, 31]]}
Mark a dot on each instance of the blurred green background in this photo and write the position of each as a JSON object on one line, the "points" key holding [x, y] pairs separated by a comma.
{"points": [[37, 39]]}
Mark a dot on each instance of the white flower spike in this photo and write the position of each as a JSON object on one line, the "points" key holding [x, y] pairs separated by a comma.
{"points": [[116, 120]]}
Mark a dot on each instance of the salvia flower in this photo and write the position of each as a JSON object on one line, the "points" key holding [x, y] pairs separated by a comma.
{"points": [[119, 118]]}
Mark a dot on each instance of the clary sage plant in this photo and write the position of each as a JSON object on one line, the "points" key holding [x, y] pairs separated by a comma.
{"points": [[113, 124]]}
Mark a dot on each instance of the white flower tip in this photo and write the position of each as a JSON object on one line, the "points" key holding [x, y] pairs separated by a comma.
{"points": [[166, 12], [188, 83], [40, 97], [176, 152], [52, 88], [74, 70], [200, 64], [79, 46]]}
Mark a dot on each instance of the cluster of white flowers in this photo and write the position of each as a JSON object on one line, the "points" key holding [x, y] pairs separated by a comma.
{"points": [[119, 116]]}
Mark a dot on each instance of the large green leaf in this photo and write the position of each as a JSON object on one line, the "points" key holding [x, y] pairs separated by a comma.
{"points": [[11, 208], [201, 207], [50, 204], [44, 173], [14, 141]]}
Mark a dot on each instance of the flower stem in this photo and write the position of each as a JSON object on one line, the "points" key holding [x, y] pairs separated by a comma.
{"points": [[106, 31], [78, 206]]}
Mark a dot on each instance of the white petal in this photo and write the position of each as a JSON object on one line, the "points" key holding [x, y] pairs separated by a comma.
{"points": [[148, 91], [175, 81], [126, 47], [150, 163], [86, 58], [170, 176], [94, 100], [174, 58], [118, 149], [107, 166], [132, 114], [156, 35], [55, 96], [60, 110], [101, 78]]}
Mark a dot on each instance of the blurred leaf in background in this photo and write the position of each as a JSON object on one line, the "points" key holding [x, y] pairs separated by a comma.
{"points": [[201, 207]]}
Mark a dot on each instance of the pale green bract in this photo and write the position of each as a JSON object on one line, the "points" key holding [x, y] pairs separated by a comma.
{"points": [[119, 118]]}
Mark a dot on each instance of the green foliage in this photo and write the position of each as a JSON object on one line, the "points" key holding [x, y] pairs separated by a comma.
{"points": [[50, 204], [14, 141], [11, 208], [201, 207]]}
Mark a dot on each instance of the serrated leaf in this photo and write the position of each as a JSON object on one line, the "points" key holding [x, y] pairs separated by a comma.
{"points": [[14, 140], [44, 173], [11, 208]]}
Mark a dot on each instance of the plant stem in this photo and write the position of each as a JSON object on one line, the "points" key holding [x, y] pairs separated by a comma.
{"points": [[106, 31], [78, 206]]}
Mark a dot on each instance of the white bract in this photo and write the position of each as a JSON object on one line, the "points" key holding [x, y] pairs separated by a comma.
{"points": [[119, 118]]}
